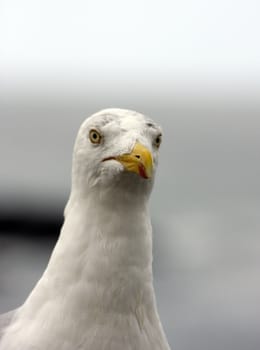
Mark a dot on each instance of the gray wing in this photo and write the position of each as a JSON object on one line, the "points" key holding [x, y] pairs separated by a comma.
{"points": [[6, 320]]}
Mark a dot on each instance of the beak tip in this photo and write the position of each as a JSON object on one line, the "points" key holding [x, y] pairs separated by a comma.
{"points": [[140, 161], [144, 172]]}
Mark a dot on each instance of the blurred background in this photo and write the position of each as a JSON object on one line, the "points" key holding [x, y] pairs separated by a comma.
{"points": [[194, 67]]}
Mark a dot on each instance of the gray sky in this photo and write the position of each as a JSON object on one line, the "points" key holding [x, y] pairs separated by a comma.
{"points": [[189, 38]]}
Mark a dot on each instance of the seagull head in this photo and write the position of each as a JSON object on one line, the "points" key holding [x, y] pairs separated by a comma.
{"points": [[116, 150]]}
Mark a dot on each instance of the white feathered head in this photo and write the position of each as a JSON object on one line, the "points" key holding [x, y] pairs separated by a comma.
{"points": [[116, 150]]}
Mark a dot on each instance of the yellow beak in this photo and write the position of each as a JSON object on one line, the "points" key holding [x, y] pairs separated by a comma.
{"points": [[139, 161]]}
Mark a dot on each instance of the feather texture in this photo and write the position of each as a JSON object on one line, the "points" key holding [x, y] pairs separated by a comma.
{"points": [[97, 290]]}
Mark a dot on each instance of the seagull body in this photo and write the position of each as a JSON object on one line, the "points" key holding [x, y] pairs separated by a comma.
{"points": [[97, 290]]}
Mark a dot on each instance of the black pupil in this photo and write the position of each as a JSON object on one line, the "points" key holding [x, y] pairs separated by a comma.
{"points": [[94, 135]]}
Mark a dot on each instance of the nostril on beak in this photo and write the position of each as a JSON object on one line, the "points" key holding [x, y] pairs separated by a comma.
{"points": [[137, 156]]}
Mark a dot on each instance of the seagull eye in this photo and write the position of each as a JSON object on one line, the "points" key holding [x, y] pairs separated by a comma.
{"points": [[95, 136], [158, 140]]}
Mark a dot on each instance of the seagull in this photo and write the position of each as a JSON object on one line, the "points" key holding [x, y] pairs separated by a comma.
{"points": [[97, 290]]}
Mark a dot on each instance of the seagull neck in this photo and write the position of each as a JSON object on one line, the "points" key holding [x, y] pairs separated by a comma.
{"points": [[105, 254], [109, 235], [109, 218], [100, 270]]}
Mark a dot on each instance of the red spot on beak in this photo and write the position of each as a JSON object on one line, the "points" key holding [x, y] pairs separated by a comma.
{"points": [[142, 171]]}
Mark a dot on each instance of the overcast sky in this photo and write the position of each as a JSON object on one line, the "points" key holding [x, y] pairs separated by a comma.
{"points": [[211, 38]]}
